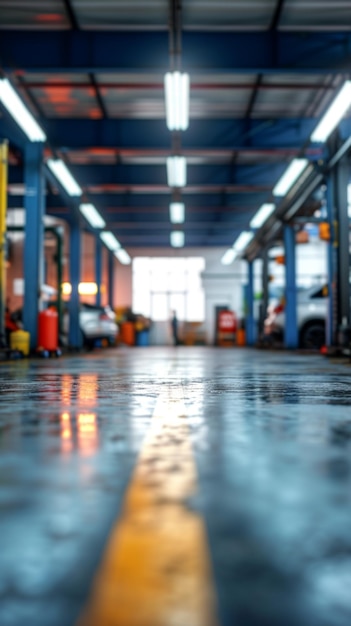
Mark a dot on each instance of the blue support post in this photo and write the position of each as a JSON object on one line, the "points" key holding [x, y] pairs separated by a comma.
{"points": [[339, 314], [291, 337], [3, 210], [343, 173], [111, 266], [74, 334], [265, 292], [250, 321], [34, 238], [98, 268], [332, 267]]}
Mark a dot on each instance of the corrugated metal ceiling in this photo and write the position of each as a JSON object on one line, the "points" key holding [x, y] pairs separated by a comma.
{"points": [[235, 142]]}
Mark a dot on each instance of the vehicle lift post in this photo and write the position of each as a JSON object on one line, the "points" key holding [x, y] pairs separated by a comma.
{"points": [[291, 338], [3, 208]]}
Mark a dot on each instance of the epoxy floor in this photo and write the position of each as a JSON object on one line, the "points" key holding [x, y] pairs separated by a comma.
{"points": [[175, 487]]}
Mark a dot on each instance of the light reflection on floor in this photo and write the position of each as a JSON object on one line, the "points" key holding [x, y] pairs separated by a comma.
{"points": [[271, 438]]}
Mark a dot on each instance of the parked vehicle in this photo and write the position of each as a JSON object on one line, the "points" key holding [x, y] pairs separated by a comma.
{"points": [[312, 310], [97, 323]]}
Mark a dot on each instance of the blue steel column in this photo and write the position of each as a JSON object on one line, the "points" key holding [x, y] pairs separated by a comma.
{"points": [[291, 337], [74, 334], [34, 238], [98, 268], [332, 267], [265, 291], [342, 173], [250, 322], [3, 209], [111, 266], [338, 253]]}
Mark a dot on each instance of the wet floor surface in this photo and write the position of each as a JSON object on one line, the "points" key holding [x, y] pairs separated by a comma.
{"points": [[224, 473]]}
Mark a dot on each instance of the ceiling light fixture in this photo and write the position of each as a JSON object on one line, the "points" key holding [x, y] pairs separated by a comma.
{"points": [[239, 246], [110, 240], [334, 114], [177, 212], [177, 239], [92, 215], [229, 256], [176, 171], [22, 116], [177, 100], [262, 215], [64, 176], [290, 176], [243, 240], [123, 256]]}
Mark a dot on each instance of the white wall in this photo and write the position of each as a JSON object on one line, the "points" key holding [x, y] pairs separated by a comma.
{"points": [[222, 284], [311, 264]]}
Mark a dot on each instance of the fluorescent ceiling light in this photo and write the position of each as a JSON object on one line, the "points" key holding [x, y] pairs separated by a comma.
{"points": [[176, 211], [229, 256], [176, 171], [64, 177], [239, 245], [177, 100], [123, 256], [19, 112], [334, 114], [177, 239], [92, 215], [110, 240], [262, 215], [243, 240], [290, 176]]}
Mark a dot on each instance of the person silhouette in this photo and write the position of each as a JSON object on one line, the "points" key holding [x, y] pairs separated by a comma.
{"points": [[174, 325]]}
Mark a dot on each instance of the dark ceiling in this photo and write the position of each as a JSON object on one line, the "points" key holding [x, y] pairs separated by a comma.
{"points": [[261, 71]]}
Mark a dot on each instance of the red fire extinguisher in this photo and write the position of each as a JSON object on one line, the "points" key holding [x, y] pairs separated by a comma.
{"points": [[48, 330]]}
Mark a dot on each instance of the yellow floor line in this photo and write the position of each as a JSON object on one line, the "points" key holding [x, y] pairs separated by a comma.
{"points": [[156, 569]]}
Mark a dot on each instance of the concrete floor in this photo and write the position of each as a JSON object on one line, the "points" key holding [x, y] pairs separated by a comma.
{"points": [[175, 487]]}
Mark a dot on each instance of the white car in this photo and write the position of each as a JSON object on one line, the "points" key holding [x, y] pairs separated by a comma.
{"points": [[97, 323], [312, 310]]}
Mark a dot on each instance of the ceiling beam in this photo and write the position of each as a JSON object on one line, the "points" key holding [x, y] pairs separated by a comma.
{"points": [[51, 84], [101, 135], [254, 154], [139, 225], [199, 174], [98, 95], [54, 203], [253, 52], [107, 191], [192, 240], [114, 188], [277, 15], [254, 95], [71, 14], [175, 34], [222, 133], [27, 89]]}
